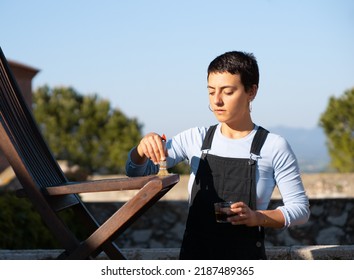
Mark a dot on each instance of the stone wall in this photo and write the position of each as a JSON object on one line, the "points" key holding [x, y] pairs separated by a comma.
{"points": [[324, 252], [331, 222], [162, 226]]}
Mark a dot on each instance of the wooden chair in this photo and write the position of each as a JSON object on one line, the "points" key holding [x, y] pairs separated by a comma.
{"points": [[45, 184]]}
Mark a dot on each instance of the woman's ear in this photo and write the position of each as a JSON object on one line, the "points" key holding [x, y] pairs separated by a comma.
{"points": [[253, 92]]}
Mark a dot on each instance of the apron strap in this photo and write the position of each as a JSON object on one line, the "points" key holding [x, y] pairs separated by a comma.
{"points": [[209, 138], [257, 143], [258, 140]]}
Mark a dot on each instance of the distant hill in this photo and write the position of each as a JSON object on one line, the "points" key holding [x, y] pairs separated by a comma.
{"points": [[309, 146]]}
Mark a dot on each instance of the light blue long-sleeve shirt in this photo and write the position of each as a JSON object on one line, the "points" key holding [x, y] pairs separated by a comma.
{"points": [[276, 166]]}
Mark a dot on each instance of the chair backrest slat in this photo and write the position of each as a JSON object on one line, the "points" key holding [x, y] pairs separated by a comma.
{"points": [[24, 146], [18, 121]]}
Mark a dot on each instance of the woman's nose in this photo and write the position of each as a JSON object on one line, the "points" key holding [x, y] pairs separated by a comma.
{"points": [[217, 99]]}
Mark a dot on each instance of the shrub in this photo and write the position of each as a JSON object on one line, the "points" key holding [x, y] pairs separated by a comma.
{"points": [[21, 227]]}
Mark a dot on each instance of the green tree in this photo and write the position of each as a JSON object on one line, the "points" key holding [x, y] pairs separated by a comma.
{"points": [[338, 124], [84, 129]]}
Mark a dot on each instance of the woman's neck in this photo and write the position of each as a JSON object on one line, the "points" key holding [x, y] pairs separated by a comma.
{"points": [[236, 131]]}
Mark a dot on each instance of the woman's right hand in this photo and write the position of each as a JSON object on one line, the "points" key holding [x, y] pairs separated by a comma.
{"points": [[151, 146]]}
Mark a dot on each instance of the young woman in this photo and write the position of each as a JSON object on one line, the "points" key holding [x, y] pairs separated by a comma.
{"points": [[234, 160]]}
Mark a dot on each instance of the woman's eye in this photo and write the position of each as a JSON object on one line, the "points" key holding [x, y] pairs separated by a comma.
{"points": [[211, 92], [228, 92]]}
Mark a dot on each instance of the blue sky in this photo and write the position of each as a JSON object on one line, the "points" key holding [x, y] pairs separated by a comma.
{"points": [[149, 58]]}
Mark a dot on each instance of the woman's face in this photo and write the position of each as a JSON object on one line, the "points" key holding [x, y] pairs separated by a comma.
{"points": [[228, 97]]}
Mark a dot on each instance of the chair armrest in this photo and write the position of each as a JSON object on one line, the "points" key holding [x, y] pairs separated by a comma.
{"points": [[115, 184]]}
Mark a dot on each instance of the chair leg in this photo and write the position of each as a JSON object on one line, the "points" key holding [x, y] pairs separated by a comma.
{"points": [[110, 248], [113, 252], [119, 221]]}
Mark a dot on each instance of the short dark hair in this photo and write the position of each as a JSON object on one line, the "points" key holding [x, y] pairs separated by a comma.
{"points": [[236, 62]]}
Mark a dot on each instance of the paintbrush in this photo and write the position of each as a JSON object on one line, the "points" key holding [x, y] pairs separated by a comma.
{"points": [[162, 164]]}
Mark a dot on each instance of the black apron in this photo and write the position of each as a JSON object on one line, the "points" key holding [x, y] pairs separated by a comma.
{"points": [[223, 179]]}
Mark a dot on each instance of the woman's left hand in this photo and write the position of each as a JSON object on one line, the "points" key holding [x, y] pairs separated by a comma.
{"points": [[243, 215]]}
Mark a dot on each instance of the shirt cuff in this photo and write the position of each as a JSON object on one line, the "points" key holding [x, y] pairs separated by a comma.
{"points": [[286, 216]]}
